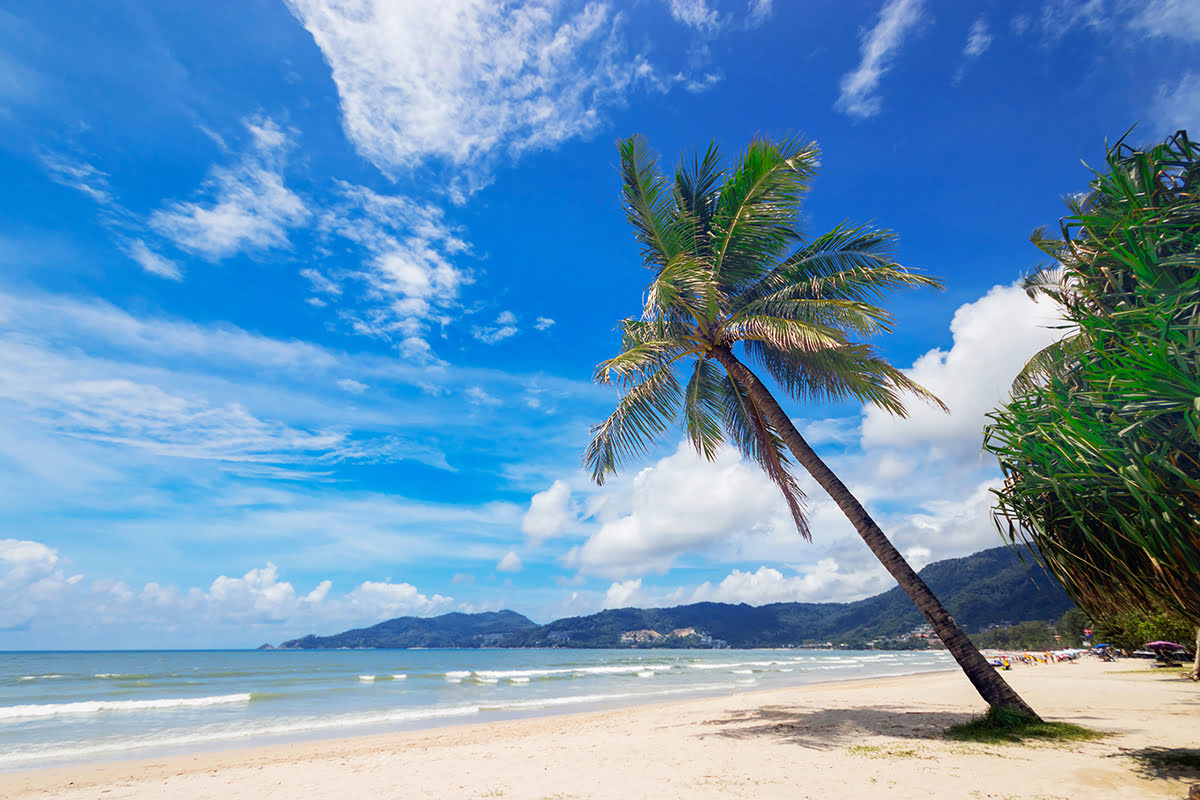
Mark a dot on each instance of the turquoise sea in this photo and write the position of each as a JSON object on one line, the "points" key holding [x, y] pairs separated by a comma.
{"points": [[61, 708]]}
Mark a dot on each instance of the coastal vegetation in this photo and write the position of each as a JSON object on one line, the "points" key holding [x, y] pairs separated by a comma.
{"points": [[730, 269], [1100, 443]]}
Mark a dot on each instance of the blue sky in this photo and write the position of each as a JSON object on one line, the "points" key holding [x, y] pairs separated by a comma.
{"points": [[299, 301]]}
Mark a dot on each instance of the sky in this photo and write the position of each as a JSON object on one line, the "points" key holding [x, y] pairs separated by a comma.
{"points": [[300, 300]]}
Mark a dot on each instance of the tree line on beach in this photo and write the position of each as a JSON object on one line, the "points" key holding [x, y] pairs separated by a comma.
{"points": [[1098, 444]]}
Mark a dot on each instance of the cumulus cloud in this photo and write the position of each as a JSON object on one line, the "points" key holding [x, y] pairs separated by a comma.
{"points": [[972, 377], [682, 504], [34, 588], [30, 575], [880, 44], [543, 323], [247, 209], [352, 386], [510, 563], [480, 398], [624, 594], [465, 81], [550, 513]]}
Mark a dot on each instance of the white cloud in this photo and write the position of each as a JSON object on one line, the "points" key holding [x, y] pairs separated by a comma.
{"points": [[897, 19], [408, 269], [1176, 19], [249, 208], [478, 397], [352, 386], [972, 377], [550, 513], [464, 81], [30, 574], [382, 600], [978, 39], [510, 563], [825, 581], [152, 262], [543, 324], [78, 175], [760, 12], [1177, 107], [504, 328], [694, 14], [683, 504], [35, 590], [624, 594]]}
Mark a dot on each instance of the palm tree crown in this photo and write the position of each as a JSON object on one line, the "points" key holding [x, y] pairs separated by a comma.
{"points": [[731, 266]]}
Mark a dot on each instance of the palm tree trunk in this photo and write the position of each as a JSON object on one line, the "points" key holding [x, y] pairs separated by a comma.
{"points": [[991, 687]]}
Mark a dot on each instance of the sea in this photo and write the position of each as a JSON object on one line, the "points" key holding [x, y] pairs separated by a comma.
{"points": [[68, 708]]}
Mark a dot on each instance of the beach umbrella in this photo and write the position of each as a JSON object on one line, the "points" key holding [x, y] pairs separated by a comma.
{"points": [[1099, 646], [1163, 646]]}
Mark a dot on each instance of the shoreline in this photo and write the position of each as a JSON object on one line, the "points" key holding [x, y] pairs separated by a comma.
{"points": [[870, 733]]}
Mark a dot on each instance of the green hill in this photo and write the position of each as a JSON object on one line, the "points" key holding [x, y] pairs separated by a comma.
{"points": [[993, 587]]}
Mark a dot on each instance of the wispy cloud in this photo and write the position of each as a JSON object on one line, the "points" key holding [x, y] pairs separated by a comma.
{"points": [[79, 175], [248, 207], [695, 14], [1177, 106], [880, 44], [979, 39], [1175, 19], [463, 82], [152, 262]]}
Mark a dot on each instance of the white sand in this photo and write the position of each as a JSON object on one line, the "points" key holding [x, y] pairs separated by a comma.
{"points": [[876, 738]]}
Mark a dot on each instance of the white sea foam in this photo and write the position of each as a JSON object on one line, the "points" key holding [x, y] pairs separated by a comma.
{"points": [[97, 706], [399, 676], [648, 673], [366, 678], [457, 675], [194, 736], [519, 679]]}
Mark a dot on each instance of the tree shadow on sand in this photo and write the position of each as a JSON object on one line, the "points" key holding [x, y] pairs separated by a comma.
{"points": [[832, 728], [1166, 762]]}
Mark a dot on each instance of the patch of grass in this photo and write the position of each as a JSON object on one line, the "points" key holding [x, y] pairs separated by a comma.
{"points": [[999, 726], [875, 751]]}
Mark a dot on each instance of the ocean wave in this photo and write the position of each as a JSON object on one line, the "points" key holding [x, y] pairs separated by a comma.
{"points": [[98, 706]]}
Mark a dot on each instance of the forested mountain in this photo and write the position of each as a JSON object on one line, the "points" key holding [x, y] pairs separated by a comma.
{"points": [[993, 587]]}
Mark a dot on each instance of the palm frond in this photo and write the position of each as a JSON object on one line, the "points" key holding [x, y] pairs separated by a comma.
{"points": [[785, 334], [648, 202], [1055, 361], [750, 431], [642, 413], [702, 408], [852, 370], [755, 220]]}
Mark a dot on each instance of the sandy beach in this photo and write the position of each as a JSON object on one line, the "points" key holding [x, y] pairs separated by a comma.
{"points": [[871, 738]]}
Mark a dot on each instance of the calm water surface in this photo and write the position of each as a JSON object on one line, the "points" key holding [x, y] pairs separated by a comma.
{"points": [[65, 708]]}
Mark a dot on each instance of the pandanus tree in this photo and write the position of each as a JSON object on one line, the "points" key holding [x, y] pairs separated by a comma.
{"points": [[1100, 443], [733, 278]]}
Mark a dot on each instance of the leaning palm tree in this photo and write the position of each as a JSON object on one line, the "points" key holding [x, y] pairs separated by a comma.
{"points": [[730, 268]]}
